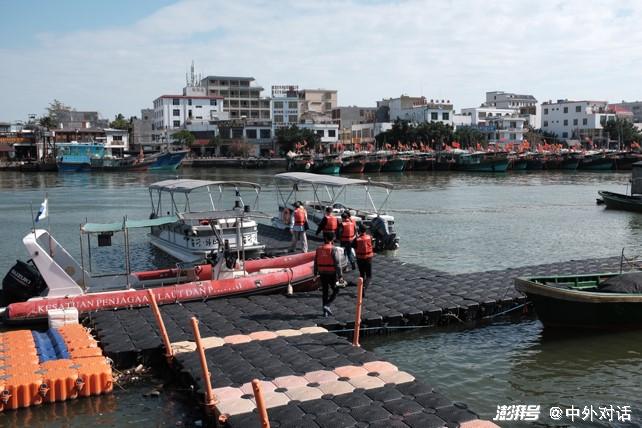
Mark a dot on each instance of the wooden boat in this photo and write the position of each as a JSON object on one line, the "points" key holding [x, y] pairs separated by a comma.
{"points": [[517, 163], [374, 163], [619, 201], [352, 163], [534, 161], [299, 162], [107, 164], [56, 280], [328, 164], [445, 161], [597, 161], [482, 162], [424, 162], [625, 160], [394, 163], [601, 300]]}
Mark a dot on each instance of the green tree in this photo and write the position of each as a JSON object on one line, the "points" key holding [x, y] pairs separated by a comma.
{"points": [[470, 136], [623, 131], [120, 122], [287, 138], [184, 138]]}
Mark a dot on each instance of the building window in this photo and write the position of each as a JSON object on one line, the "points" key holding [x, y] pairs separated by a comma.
{"points": [[117, 138], [332, 133], [585, 121], [565, 109], [545, 111], [565, 122], [546, 123], [433, 116], [513, 125], [177, 123], [266, 134], [278, 119], [212, 102], [293, 104], [176, 112], [445, 116], [278, 104], [513, 137], [176, 102], [251, 134], [578, 109], [564, 134], [574, 121], [189, 101], [320, 133]]}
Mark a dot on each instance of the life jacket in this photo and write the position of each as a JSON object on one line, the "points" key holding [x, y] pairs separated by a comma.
{"points": [[324, 259], [299, 217], [348, 231], [331, 223], [364, 247]]}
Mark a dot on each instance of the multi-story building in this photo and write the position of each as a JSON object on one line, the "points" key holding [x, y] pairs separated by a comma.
{"points": [[241, 100], [175, 112], [316, 105], [141, 132], [418, 109], [345, 117], [363, 134], [285, 106], [635, 107], [66, 118], [576, 119], [526, 106], [327, 132], [480, 116], [505, 130], [116, 141]]}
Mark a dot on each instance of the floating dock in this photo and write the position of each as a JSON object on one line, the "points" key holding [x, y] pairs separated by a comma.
{"points": [[311, 376], [56, 365]]}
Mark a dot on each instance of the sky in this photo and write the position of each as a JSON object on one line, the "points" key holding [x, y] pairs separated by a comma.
{"points": [[117, 56]]}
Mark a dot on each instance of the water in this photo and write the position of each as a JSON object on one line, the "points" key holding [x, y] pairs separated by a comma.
{"points": [[447, 221]]}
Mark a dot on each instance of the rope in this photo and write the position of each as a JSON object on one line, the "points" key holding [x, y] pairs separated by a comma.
{"points": [[393, 327], [507, 311]]}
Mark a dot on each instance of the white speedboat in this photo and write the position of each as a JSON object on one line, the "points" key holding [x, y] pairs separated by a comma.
{"points": [[332, 191], [203, 224]]}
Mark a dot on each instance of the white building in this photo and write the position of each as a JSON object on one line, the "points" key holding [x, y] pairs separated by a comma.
{"points": [[525, 106], [175, 112], [116, 141], [479, 116], [365, 133], [285, 106], [316, 105], [575, 119], [420, 109], [506, 130], [328, 132]]}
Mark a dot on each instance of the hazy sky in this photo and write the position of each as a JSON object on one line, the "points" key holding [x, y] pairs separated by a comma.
{"points": [[118, 56]]}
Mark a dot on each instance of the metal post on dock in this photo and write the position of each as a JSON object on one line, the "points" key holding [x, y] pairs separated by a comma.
{"points": [[357, 319], [210, 399], [260, 404], [169, 352]]}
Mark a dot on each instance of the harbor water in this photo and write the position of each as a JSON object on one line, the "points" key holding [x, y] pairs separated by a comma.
{"points": [[454, 222]]}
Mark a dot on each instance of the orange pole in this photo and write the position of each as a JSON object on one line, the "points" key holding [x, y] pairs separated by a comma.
{"points": [[210, 399], [357, 319], [169, 352], [260, 404]]}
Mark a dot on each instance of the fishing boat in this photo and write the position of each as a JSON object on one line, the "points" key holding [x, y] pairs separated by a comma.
{"points": [[328, 191], [327, 164], [597, 161], [167, 161], [299, 162], [53, 279], [109, 164], [352, 163], [76, 157], [534, 161], [625, 160], [424, 161], [394, 163], [517, 162], [446, 160], [374, 163], [253, 162], [482, 162], [202, 224], [619, 201], [600, 300]]}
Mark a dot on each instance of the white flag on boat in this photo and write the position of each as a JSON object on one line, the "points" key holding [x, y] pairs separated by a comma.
{"points": [[42, 212]]}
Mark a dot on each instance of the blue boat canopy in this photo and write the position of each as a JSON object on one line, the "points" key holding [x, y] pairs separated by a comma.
{"points": [[126, 224]]}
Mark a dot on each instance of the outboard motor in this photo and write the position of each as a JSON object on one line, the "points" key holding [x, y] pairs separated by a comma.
{"points": [[383, 240], [22, 283]]}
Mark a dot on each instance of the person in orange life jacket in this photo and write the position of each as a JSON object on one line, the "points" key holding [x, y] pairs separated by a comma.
{"points": [[363, 245], [327, 265], [298, 223], [347, 233], [329, 223]]}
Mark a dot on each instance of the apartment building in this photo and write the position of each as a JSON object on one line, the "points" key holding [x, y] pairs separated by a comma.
{"points": [[418, 109], [241, 97], [576, 119], [285, 106], [526, 106], [316, 105], [635, 107]]}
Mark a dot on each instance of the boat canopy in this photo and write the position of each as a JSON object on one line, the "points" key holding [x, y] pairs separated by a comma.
{"points": [[328, 180], [187, 185], [126, 224]]}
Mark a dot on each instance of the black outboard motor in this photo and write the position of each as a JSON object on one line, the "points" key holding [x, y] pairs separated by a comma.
{"points": [[383, 240], [22, 283]]}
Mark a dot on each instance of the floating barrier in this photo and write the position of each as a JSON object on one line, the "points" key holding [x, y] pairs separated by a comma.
{"points": [[46, 367]]}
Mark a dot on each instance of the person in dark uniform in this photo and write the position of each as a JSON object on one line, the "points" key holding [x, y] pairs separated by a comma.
{"points": [[329, 223], [327, 265], [363, 247], [347, 235]]}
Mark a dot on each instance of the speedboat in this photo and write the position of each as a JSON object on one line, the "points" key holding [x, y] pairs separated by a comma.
{"points": [[329, 191], [53, 279], [202, 224]]}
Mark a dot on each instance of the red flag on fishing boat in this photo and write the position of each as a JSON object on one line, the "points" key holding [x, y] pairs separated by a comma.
{"points": [[456, 145], [479, 146]]}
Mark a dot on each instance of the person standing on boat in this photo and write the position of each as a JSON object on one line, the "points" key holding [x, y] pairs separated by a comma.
{"points": [[363, 245], [347, 234], [327, 265], [329, 223], [298, 225]]}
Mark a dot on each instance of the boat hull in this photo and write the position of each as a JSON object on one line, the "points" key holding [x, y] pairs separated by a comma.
{"points": [[168, 161], [597, 164], [356, 167], [373, 166], [296, 270], [486, 166], [394, 165], [331, 169], [518, 164], [582, 309], [617, 201]]}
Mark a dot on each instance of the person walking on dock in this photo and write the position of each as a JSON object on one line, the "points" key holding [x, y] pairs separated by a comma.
{"points": [[327, 265], [329, 223], [298, 226], [347, 234], [363, 245]]}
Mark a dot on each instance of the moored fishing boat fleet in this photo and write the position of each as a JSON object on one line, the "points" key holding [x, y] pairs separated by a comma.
{"points": [[462, 160]]}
